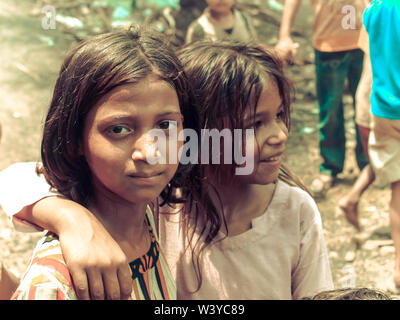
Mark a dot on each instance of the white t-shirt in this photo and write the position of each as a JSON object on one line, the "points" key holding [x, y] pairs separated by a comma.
{"points": [[283, 255]]}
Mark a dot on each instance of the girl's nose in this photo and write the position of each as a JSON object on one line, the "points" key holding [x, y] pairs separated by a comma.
{"points": [[145, 149], [279, 134]]}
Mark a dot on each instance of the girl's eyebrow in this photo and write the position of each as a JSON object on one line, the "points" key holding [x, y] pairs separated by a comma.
{"points": [[279, 107], [171, 113], [129, 117], [262, 113]]}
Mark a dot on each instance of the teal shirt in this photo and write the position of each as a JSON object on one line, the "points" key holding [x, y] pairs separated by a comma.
{"points": [[382, 21]]}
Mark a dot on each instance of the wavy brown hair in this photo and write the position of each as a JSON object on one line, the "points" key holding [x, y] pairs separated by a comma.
{"points": [[228, 79], [91, 69]]}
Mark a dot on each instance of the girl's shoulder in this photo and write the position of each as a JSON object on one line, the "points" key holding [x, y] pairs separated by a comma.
{"points": [[295, 199], [292, 193], [297, 208]]}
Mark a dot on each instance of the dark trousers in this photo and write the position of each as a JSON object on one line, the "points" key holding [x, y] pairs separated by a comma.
{"points": [[332, 70]]}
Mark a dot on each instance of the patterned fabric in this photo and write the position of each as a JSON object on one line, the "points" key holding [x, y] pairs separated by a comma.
{"points": [[48, 277]]}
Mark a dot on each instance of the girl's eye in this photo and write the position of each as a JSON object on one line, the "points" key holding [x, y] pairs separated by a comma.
{"points": [[119, 130], [280, 114], [167, 124], [257, 124]]}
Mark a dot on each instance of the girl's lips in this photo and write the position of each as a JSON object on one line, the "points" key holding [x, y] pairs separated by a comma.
{"points": [[273, 158], [146, 179], [145, 175], [273, 162]]}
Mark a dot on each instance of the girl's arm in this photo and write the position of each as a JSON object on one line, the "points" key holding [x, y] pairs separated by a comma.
{"points": [[312, 273], [98, 265]]}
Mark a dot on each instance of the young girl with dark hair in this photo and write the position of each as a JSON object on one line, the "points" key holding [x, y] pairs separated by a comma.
{"points": [[254, 236], [111, 91]]}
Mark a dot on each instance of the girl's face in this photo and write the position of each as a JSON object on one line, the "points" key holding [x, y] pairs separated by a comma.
{"points": [[220, 6], [116, 140], [271, 135]]}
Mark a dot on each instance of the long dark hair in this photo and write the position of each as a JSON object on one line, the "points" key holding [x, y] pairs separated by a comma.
{"points": [[92, 69], [228, 79]]}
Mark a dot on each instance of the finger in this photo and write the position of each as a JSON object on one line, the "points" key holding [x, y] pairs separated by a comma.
{"points": [[96, 286], [80, 281], [125, 281], [111, 285]]}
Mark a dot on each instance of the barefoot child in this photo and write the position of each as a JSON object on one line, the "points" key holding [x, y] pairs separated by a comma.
{"points": [[252, 236], [349, 203], [336, 29], [112, 89]]}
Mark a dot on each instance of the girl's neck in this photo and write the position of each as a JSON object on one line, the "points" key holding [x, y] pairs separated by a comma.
{"points": [[242, 203], [126, 224]]}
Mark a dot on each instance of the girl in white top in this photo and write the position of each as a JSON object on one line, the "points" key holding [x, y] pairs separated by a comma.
{"points": [[254, 236]]}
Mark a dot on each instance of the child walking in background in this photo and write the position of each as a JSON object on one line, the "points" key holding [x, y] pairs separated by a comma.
{"points": [[349, 203], [256, 236], [382, 21], [336, 31], [112, 89], [221, 20]]}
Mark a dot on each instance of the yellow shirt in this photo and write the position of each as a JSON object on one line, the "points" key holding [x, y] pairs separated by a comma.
{"points": [[337, 24]]}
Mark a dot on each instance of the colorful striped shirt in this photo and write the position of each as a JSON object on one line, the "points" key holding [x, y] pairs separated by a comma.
{"points": [[48, 277]]}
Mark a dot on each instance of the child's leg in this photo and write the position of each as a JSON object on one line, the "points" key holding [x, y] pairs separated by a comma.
{"points": [[349, 203], [384, 152], [355, 70], [394, 212], [331, 73], [364, 136]]}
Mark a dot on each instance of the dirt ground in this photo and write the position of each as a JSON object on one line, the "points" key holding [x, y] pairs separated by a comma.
{"points": [[31, 57]]}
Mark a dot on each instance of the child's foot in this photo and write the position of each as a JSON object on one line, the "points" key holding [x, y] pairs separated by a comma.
{"points": [[321, 185], [350, 210]]}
